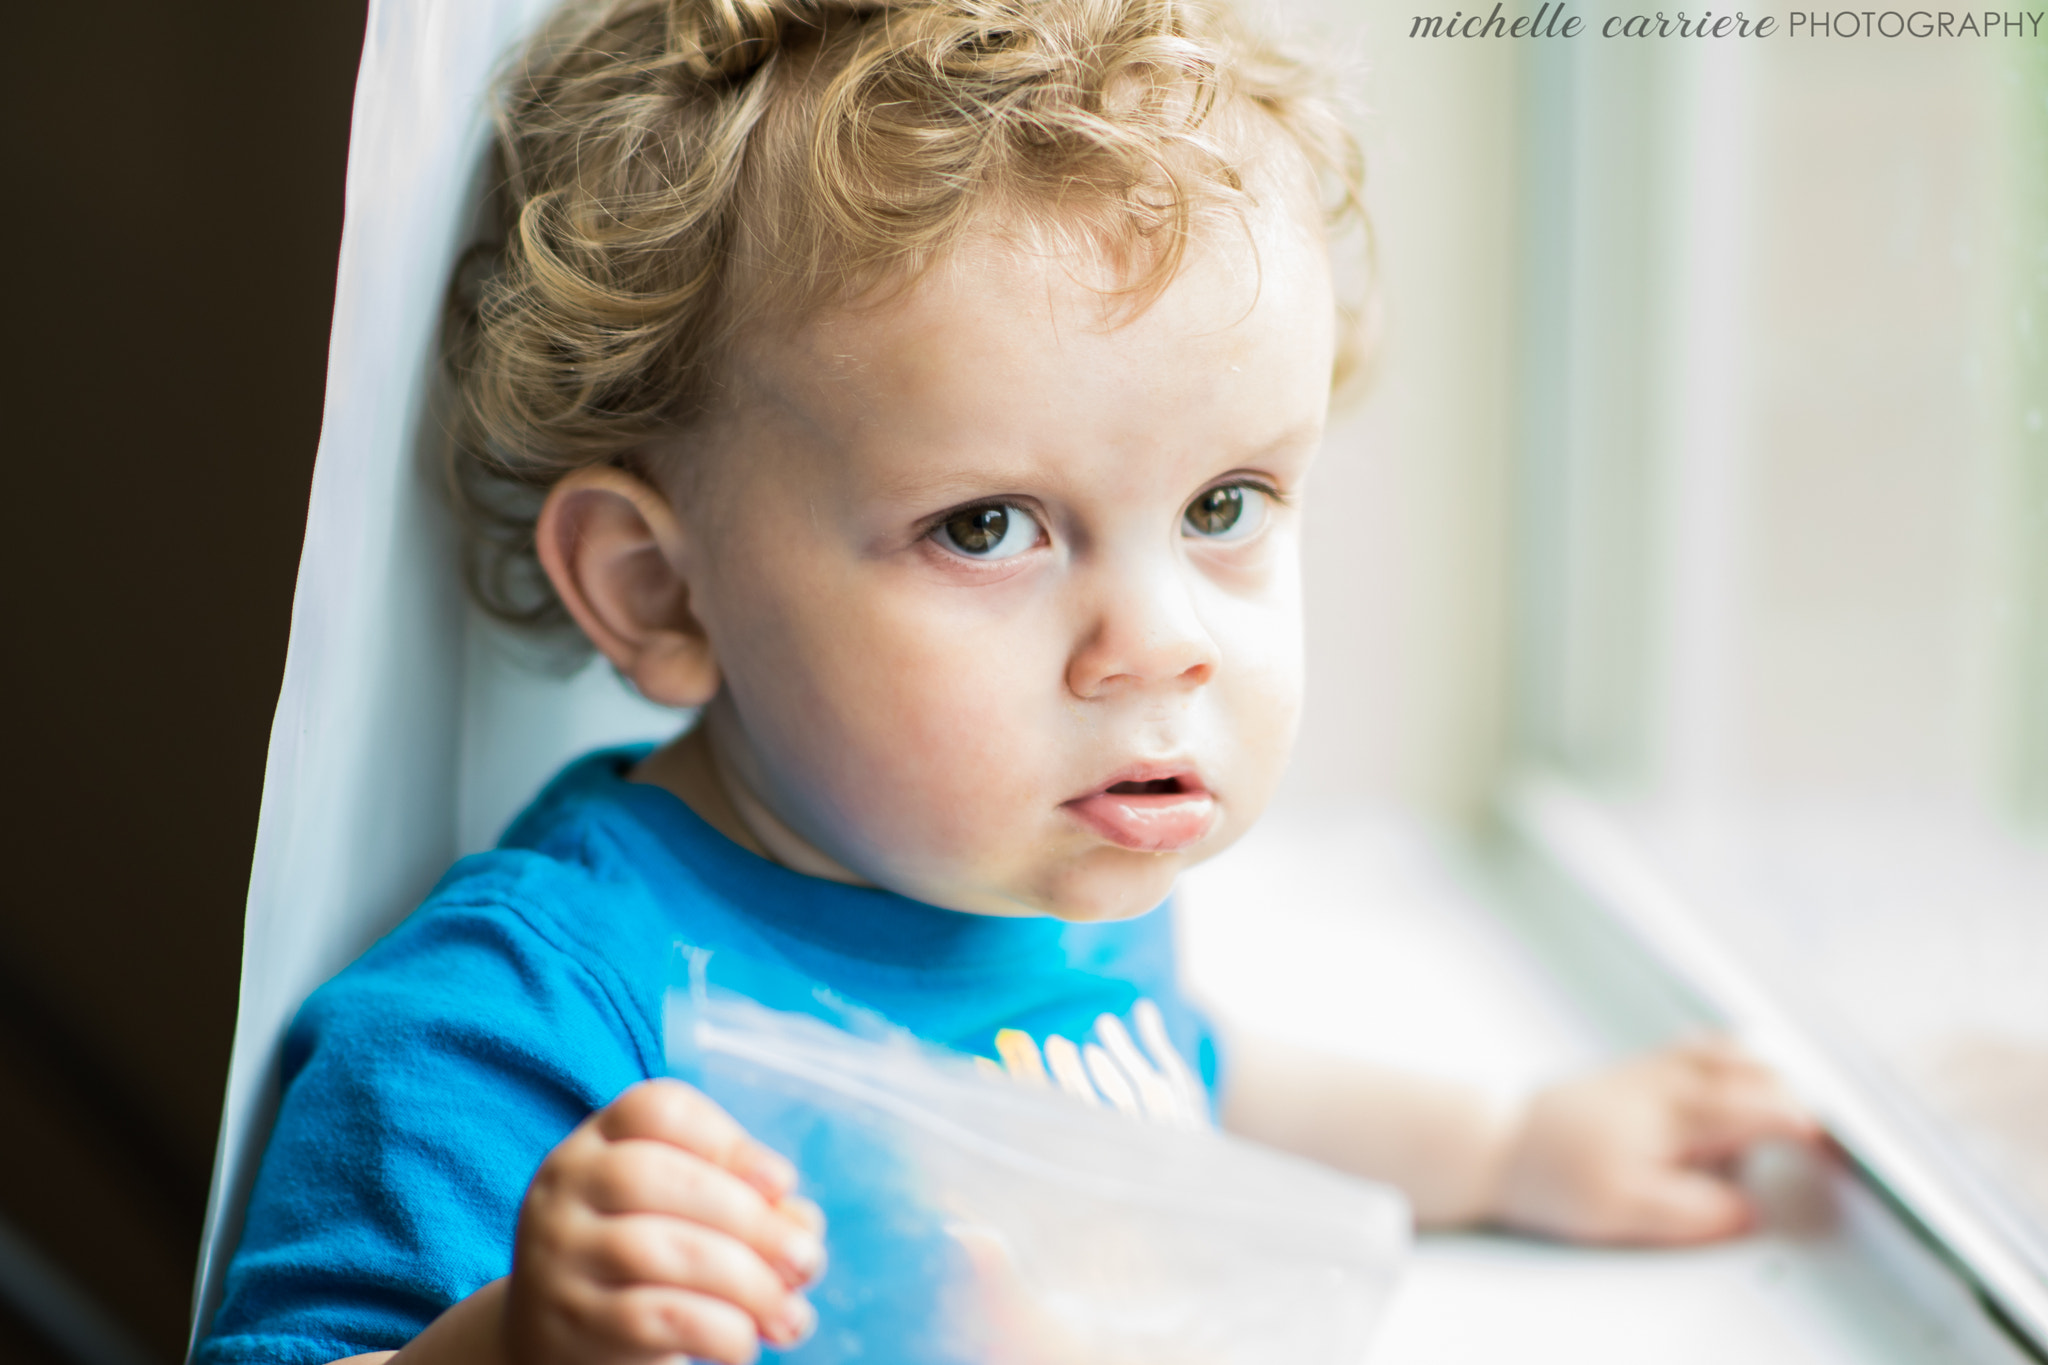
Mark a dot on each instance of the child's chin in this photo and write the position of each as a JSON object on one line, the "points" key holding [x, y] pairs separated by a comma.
{"points": [[1115, 884]]}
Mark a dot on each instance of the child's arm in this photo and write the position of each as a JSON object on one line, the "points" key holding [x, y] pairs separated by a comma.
{"points": [[657, 1228], [1640, 1153]]}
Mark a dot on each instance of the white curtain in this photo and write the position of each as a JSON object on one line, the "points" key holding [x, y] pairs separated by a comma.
{"points": [[407, 729]]}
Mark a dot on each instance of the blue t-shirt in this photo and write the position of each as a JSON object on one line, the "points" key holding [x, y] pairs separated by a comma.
{"points": [[425, 1083]]}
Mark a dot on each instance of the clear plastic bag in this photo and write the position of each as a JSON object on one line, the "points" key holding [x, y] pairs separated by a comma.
{"points": [[977, 1221]]}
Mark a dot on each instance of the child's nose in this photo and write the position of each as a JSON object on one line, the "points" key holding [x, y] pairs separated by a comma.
{"points": [[1145, 633]]}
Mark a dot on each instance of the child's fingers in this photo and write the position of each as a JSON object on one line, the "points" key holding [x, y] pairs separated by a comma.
{"points": [[1725, 1116], [658, 1321], [640, 1176], [649, 1249], [1683, 1206], [1001, 1299], [669, 1111], [803, 1213], [1715, 1055], [1718, 1064]]}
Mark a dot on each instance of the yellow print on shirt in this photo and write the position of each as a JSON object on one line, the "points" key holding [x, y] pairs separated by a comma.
{"points": [[1109, 1069]]}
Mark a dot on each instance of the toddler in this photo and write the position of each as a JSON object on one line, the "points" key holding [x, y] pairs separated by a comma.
{"points": [[926, 390]]}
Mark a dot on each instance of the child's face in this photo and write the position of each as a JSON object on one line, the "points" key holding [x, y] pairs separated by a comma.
{"points": [[1003, 588]]}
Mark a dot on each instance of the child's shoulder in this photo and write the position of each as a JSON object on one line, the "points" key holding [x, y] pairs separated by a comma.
{"points": [[571, 913]]}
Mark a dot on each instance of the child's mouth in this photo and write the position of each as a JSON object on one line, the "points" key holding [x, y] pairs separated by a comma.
{"points": [[1149, 812]]}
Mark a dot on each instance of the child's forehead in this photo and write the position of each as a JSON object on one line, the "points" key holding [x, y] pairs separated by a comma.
{"points": [[1007, 362], [1007, 296]]}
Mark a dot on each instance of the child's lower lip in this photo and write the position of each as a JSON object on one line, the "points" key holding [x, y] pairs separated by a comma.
{"points": [[1164, 823]]}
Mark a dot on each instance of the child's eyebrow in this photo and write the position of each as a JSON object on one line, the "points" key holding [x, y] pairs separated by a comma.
{"points": [[1299, 439], [944, 487], [1300, 436], [953, 485]]}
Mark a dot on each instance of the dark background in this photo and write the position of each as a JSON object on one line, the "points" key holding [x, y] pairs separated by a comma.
{"points": [[172, 221]]}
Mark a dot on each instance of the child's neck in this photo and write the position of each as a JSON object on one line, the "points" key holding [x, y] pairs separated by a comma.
{"points": [[688, 768]]}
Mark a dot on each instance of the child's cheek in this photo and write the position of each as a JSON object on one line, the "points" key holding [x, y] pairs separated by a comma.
{"points": [[932, 738], [1262, 667], [973, 742]]}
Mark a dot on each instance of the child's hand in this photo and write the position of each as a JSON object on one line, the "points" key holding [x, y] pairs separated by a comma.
{"points": [[657, 1229], [1644, 1153], [1019, 1329]]}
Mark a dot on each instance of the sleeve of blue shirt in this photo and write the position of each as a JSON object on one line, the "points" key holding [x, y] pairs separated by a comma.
{"points": [[422, 1088]]}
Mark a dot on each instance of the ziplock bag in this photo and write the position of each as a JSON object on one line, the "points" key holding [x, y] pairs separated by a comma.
{"points": [[974, 1220]]}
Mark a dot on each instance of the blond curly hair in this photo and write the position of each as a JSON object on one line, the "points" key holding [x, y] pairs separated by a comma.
{"points": [[675, 171]]}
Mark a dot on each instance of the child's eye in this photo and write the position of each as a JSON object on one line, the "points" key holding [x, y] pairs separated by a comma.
{"points": [[1231, 512], [997, 530]]}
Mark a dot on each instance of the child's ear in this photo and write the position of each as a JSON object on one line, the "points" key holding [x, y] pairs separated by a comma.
{"points": [[613, 548]]}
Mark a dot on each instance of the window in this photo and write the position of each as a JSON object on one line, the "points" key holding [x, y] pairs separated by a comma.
{"points": [[1779, 591]]}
